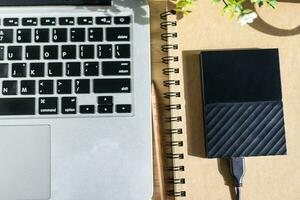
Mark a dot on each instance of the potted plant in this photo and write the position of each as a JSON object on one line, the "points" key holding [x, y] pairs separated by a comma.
{"points": [[235, 8]]}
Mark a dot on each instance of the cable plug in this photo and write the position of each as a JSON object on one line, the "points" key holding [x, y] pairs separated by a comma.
{"points": [[237, 168]]}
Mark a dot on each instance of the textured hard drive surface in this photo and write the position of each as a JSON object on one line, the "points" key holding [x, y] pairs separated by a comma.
{"points": [[244, 129], [242, 97]]}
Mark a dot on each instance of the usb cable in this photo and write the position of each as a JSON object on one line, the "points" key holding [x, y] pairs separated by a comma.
{"points": [[237, 168]]}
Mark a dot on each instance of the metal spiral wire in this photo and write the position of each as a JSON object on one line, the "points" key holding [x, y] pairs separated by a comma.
{"points": [[171, 85]]}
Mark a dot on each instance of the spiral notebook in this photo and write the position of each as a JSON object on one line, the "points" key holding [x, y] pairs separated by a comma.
{"points": [[167, 76], [176, 73]]}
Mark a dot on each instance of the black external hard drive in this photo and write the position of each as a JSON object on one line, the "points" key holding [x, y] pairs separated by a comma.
{"points": [[243, 109]]}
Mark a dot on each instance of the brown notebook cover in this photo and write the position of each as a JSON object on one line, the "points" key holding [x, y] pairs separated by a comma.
{"points": [[205, 28]]}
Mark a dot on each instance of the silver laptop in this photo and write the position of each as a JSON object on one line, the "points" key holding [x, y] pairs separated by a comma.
{"points": [[75, 121]]}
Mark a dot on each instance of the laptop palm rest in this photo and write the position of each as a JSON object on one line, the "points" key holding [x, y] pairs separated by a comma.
{"points": [[25, 162]]}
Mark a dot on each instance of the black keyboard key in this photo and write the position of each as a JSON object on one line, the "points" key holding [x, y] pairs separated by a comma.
{"points": [[68, 105], [86, 51], [55, 69], [64, 86], [104, 51], [37, 70], [18, 70], [32, 52], [9, 87], [91, 69], [77, 34], [3, 70], [14, 52], [85, 20], [117, 34], [115, 68], [122, 20], [48, 106], [82, 86], [6, 35], [46, 87], [95, 34], [112, 86], [17, 106], [59, 35], [27, 87], [1, 52], [125, 108], [73, 69], [105, 100], [103, 20], [50, 52], [66, 20], [41, 35], [122, 51], [29, 21], [11, 22], [68, 51], [87, 109], [23, 35], [48, 21], [105, 109]]}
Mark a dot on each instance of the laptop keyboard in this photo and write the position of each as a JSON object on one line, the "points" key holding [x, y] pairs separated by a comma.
{"points": [[66, 66]]}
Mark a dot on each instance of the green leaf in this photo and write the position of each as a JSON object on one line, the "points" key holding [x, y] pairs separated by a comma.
{"points": [[233, 2], [272, 3], [238, 8], [240, 2], [183, 5], [247, 11]]}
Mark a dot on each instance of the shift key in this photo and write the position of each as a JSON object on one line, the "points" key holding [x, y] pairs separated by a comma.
{"points": [[116, 68], [17, 106], [112, 85]]}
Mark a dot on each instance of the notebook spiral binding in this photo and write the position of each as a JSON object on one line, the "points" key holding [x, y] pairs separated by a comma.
{"points": [[172, 84]]}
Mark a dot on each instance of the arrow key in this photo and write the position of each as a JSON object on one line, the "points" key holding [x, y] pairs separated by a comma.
{"points": [[105, 100], [125, 108], [105, 109], [87, 109]]}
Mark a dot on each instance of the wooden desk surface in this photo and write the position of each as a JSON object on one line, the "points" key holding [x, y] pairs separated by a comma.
{"points": [[156, 7], [273, 178]]}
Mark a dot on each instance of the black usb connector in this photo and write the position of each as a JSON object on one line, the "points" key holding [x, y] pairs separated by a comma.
{"points": [[237, 169]]}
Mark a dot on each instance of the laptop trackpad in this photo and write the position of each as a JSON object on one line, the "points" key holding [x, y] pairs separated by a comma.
{"points": [[25, 162]]}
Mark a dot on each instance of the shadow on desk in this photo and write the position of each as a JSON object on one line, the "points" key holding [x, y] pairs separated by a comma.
{"points": [[194, 115], [261, 25], [194, 104]]}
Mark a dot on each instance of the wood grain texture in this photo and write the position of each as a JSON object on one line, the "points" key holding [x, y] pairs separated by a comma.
{"points": [[275, 177], [156, 8]]}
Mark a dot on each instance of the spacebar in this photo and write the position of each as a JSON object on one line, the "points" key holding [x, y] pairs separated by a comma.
{"points": [[17, 106]]}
